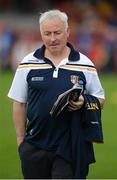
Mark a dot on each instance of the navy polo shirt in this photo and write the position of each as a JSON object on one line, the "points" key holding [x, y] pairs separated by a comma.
{"points": [[43, 90]]}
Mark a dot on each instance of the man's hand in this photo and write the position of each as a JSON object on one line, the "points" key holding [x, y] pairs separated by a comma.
{"points": [[19, 140], [102, 102], [76, 105], [19, 118]]}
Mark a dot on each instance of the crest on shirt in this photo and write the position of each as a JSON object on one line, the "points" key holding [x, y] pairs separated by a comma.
{"points": [[74, 79]]}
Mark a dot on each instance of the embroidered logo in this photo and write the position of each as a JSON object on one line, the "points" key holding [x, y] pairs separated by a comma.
{"points": [[37, 78], [94, 122], [92, 106], [77, 81], [74, 79]]}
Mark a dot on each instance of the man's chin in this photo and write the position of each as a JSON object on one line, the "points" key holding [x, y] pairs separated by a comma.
{"points": [[54, 48]]}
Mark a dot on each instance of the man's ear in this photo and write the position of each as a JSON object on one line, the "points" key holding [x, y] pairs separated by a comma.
{"points": [[68, 32]]}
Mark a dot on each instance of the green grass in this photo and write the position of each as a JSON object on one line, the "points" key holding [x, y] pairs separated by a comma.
{"points": [[106, 154], [9, 159]]}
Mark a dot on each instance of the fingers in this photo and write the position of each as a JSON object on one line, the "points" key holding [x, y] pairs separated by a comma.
{"points": [[73, 106]]}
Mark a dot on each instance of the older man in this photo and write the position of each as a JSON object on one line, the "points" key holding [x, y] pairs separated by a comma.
{"points": [[45, 143]]}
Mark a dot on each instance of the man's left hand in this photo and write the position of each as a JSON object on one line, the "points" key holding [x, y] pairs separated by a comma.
{"points": [[76, 105]]}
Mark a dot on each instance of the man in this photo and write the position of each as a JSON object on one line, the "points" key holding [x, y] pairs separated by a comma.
{"points": [[46, 144]]}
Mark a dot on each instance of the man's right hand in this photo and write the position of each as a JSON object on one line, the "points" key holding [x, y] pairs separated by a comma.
{"points": [[19, 140]]}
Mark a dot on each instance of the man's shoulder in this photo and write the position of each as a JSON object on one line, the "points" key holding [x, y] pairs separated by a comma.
{"points": [[84, 60], [30, 58]]}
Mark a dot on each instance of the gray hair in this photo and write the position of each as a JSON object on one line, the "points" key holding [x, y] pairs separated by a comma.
{"points": [[54, 13]]}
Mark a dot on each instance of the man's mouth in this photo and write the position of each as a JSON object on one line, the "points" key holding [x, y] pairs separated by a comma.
{"points": [[54, 45]]}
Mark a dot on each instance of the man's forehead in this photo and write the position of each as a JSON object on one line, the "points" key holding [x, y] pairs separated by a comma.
{"points": [[52, 21]]}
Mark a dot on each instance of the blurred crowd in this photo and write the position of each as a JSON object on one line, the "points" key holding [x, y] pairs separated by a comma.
{"points": [[93, 30]]}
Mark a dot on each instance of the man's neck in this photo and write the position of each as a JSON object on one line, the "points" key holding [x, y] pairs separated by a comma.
{"points": [[57, 56]]}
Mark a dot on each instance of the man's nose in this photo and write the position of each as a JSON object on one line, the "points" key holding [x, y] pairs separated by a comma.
{"points": [[53, 37]]}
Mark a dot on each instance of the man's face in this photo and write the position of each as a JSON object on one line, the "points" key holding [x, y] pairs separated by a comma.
{"points": [[54, 35]]}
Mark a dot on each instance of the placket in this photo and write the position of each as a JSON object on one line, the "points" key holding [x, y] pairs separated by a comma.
{"points": [[56, 70]]}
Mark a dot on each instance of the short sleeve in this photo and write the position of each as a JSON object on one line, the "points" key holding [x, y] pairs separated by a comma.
{"points": [[94, 86], [18, 90]]}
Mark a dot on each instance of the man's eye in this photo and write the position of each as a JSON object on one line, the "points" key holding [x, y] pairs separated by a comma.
{"points": [[58, 33], [47, 34]]}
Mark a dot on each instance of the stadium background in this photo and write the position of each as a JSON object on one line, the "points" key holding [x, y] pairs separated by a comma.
{"points": [[93, 32]]}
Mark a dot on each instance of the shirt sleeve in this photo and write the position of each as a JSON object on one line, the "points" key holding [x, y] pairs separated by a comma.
{"points": [[93, 86], [18, 90]]}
